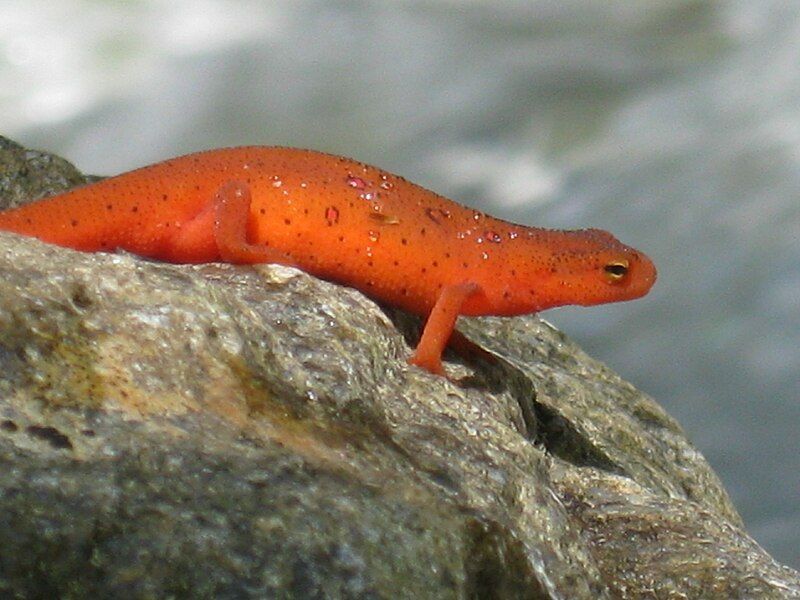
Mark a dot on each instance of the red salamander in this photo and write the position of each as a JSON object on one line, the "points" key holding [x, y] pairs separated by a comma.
{"points": [[344, 221]]}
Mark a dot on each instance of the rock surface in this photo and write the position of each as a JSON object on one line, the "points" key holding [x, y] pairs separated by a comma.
{"points": [[221, 431]]}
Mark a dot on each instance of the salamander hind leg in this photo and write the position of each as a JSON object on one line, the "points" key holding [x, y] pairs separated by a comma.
{"points": [[439, 326], [219, 232], [231, 212]]}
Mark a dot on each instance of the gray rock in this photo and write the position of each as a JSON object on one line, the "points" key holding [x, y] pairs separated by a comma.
{"points": [[228, 432]]}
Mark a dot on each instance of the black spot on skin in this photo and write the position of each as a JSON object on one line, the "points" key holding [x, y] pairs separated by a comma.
{"points": [[51, 435], [74, 223], [287, 221], [465, 265], [404, 241], [9, 425], [164, 197], [422, 231], [341, 238], [263, 211], [109, 207], [396, 263], [436, 263], [135, 209]]}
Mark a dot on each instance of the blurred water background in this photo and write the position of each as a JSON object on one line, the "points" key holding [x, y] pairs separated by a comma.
{"points": [[673, 123]]}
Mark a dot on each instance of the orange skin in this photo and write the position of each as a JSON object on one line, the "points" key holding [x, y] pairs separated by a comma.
{"points": [[343, 221]]}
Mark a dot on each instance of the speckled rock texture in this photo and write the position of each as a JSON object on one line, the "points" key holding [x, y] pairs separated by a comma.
{"points": [[216, 431]]}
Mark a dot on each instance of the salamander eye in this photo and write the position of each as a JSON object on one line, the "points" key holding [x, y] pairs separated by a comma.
{"points": [[616, 270]]}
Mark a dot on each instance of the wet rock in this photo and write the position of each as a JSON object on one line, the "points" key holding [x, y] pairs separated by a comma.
{"points": [[221, 431]]}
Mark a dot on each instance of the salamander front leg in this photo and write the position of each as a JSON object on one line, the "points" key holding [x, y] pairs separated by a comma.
{"points": [[439, 326]]}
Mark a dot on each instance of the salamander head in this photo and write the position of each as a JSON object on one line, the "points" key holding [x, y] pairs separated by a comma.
{"points": [[584, 267], [595, 268]]}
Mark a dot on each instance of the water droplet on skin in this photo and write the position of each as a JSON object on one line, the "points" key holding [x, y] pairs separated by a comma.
{"points": [[437, 214], [369, 251], [477, 216], [277, 183], [492, 236], [356, 182], [332, 215], [512, 235], [369, 196], [303, 185], [374, 235], [384, 219], [485, 255], [387, 185]]}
